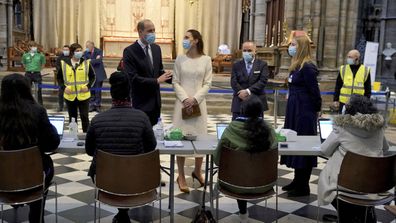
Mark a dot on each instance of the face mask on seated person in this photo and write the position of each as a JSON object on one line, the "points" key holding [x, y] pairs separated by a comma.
{"points": [[66, 53]]}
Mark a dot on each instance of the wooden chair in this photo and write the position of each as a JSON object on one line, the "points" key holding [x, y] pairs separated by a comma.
{"points": [[127, 181], [248, 171], [391, 209], [22, 178], [222, 61], [362, 176]]}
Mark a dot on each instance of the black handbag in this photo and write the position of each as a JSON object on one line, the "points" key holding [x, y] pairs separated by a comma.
{"points": [[203, 215]]}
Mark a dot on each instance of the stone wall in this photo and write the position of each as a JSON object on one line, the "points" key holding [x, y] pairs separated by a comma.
{"points": [[3, 31]]}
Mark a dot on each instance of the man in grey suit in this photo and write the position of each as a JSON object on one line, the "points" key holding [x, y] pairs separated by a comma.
{"points": [[248, 76]]}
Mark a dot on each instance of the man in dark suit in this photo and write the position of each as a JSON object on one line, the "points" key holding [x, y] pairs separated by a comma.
{"points": [[249, 76], [96, 56], [143, 65]]}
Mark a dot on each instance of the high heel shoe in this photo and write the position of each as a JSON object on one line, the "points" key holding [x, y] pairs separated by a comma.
{"points": [[202, 183], [182, 189]]}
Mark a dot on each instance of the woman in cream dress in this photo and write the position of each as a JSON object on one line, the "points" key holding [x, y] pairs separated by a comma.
{"points": [[192, 78]]}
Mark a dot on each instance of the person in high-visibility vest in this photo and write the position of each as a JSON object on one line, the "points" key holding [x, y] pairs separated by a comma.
{"points": [[353, 78], [76, 77]]}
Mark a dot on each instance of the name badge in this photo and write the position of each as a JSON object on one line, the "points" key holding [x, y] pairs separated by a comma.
{"points": [[256, 72]]}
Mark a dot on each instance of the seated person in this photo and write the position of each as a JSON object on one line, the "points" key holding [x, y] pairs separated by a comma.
{"points": [[248, 132], [120, 130], [360, 130], [23, 124]]}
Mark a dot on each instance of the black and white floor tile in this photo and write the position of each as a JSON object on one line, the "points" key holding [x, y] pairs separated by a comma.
{"points": [[76, 195]]}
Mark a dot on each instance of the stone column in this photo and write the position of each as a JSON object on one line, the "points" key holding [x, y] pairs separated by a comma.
{"points": [[259, 22]]}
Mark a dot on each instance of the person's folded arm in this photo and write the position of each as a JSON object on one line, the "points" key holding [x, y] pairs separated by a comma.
{"points": [[95, 61]]}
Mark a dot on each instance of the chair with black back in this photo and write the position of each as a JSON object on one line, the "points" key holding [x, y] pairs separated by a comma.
{"points": [[247, 170], [366, 181], [127, 181], [22, 178]]}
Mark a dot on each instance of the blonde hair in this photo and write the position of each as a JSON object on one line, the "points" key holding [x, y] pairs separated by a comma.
{"points": [[303, 54]]}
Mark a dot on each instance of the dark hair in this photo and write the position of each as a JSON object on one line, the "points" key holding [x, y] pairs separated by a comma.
{"points": [[73, 48], [66, 46], [119, 85], [259, 132], [197, 36], [360, 104], [17, 123]]}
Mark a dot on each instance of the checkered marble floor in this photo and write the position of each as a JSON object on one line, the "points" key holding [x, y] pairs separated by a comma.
{"points": [[76, 195]]}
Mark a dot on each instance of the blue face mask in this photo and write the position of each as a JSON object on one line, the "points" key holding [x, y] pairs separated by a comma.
{"points": [[186, 44], [87, 49], [292, 51], [247, 56], [350, 61], [66, 53], [78, 55], [150, 38]]}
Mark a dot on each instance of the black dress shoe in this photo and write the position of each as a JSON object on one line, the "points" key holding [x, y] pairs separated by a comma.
{"points": [[121, 218], [330, 218], [298, 192], [163, 183], [289, 187]]}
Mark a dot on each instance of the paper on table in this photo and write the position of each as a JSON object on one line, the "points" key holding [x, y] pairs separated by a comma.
{"points": [[65, 139], [173, 144]]}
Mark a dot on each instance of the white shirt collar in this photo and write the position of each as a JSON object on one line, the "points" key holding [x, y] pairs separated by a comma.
{"points": [[246, 63], [143, 45]]}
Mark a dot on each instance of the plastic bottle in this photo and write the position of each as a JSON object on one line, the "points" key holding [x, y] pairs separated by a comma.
{"points": [[73, 128], [159, 130]]}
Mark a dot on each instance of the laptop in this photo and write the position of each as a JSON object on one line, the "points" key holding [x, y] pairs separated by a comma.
{"points": [[58, 122], [325, 128], [220, 127]]}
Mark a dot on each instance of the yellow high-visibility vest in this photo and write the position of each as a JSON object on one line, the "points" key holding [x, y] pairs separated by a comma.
{"points": [[74, 80], [352, 85]]}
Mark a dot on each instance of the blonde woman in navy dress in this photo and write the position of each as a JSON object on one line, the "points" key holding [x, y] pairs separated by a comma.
{"points": [[303, 105]]}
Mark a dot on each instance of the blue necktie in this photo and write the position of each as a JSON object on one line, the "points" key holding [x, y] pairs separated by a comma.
{"points": [[248, 68]]}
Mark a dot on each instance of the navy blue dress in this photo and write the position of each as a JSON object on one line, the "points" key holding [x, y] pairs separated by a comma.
{"points": [[303, 103]]}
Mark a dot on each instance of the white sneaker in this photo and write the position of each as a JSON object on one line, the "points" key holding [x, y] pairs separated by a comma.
{"points": [[244, 218]]}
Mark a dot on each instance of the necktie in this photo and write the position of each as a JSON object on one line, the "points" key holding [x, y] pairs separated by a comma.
{"points": [[249, 68], [148, 57]]}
